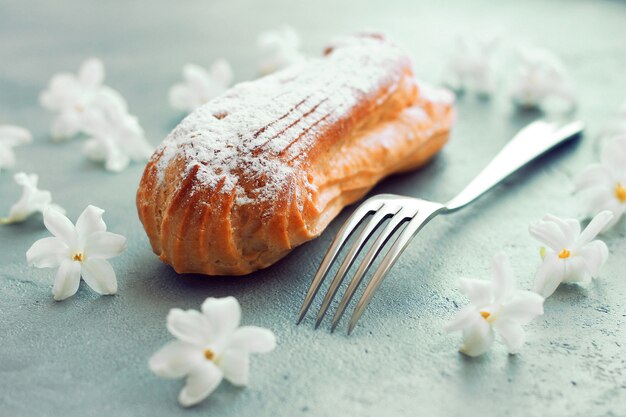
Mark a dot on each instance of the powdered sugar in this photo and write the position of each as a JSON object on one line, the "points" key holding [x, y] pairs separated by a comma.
{"points": [[252, 139]]}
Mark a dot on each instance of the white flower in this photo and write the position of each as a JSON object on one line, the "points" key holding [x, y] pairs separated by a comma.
{"points": [[72, 95], [10, 137], [495, 306], [210, 346], [541, 81], [470, 66], [604, 184], [32, 200], [87, 106], [75, 251], [573, 256], [200, 85], [280, 48], [116, 137], [616, 127]]}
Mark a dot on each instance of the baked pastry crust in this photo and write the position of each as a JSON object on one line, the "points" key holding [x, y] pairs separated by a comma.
{"points": [[266, 166]]}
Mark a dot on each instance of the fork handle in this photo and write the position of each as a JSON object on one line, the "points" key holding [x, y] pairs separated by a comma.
{"points": [[529, 143]]}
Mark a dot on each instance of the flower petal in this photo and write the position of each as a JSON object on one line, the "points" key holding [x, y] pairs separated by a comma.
{"points": [[117, 161], [253, 339], [196, 77], [90, 221], [603, 199], [223, 313], [67, 280], [201, 382], [569, 227], [463, 319], [94, 150], [613, 154], [66, 125], [576, 270], [181, 98], [523, 307], [100, 276], [47, 253], [56, 207], [59, 225], [595, 254], [31, 201], [549, 275], [175, 360], [595, 226], [104, 245], [504, 280], [235, 364], [618, 209], [7, 156], [479, 291], [190, 326], [14, 135], [110, 101], [91, 72], [477, 339], [60, 93], [512, 334], [222, 72], [595, 175], [549, 233], [28, 181]]}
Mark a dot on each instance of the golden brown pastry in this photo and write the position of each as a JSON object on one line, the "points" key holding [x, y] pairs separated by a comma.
{"points": [[266, 166]]}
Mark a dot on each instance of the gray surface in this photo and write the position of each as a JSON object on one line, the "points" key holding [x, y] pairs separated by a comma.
{"points": [[87, 356]]}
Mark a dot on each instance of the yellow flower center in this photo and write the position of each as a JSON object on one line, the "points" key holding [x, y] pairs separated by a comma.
{"points": [[620, 192], [564, 254], [485, 314], [209, 354], [78, 256]]}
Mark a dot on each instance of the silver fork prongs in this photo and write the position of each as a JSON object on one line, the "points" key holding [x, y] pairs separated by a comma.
{"points": [[373, 212]]}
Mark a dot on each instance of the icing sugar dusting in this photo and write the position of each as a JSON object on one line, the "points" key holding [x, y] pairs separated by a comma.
{"points": [[253, 139]]}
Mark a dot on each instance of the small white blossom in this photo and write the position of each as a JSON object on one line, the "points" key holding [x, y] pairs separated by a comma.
{"points": [[199, 85], [495, 306], [71, 96], [115, 136], [470, 66], [615, 127], [279, 48], [603, 185], [32, 200], [78, 250], [572, 255], [10, 137], [541, 81], [210, 346]]}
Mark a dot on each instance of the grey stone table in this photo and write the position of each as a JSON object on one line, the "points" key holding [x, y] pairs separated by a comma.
{"points": [[88, 356]]}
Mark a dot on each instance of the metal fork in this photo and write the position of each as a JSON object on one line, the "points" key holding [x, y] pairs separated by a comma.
{"points": [[531, 142]]}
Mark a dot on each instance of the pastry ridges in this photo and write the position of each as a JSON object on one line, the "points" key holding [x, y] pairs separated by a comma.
{"points": [[280, 117], [266, 166]]}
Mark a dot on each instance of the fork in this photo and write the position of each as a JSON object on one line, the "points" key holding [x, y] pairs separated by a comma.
{"points": [[529, 143]]}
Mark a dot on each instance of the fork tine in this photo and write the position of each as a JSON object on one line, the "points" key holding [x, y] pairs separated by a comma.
{"points": [[371, 226], [391, 227], [414, 226], [372, 204]]}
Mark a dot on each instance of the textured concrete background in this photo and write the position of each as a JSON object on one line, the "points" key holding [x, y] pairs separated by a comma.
{"points": [[87, 356]]}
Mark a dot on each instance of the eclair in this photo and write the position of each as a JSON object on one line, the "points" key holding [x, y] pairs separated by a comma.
{"points": [[268, 165]]}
